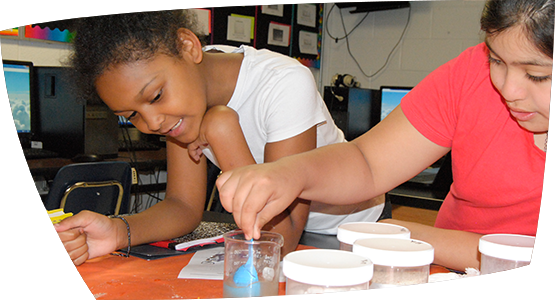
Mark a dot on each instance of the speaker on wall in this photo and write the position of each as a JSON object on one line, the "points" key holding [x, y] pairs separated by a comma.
{"points": [[68, 125], [354, 110]]}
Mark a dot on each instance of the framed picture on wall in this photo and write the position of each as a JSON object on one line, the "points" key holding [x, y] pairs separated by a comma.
{"points": [[306, 15], [274, 10], [279, 34]]}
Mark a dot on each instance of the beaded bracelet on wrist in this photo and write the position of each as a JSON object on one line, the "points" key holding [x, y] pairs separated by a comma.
{"points": [[128, 237]]}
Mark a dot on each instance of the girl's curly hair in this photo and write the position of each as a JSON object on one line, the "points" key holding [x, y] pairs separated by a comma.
{"points": [[104, 41]]}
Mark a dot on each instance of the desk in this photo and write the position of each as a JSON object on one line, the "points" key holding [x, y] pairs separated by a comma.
{"points": [[142, 161]]}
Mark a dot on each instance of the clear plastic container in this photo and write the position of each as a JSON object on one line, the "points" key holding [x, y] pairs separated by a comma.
{"points": [[317, 271], [515, 267], [263, 255], [348, 233], [397, 262]]}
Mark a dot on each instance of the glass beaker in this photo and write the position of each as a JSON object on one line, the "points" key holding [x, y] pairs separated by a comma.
{"points": [[265, 253]]}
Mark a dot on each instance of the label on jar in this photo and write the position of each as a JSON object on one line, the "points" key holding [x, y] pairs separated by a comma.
{"points": [[380, 291]]}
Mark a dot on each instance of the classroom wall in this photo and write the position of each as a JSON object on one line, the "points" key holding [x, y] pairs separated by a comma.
{"points": [[437, 32], [41, 53]]}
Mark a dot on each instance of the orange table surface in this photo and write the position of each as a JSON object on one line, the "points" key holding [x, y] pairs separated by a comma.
{"points": [[109, 277], [113, 277]]}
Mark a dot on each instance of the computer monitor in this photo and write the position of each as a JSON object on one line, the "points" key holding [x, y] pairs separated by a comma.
{"points": [[123, 121], [391, 97], [21, 94]]}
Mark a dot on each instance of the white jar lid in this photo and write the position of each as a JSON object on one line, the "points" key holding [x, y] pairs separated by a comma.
{"points": [[348, 233], [507, 246], [326, 267], [395, 252]]}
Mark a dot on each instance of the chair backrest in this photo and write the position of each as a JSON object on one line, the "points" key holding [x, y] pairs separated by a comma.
{"points": [[102, 187]]}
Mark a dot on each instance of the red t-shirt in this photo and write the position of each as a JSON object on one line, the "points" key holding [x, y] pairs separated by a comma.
{"points": [[497, 169]]}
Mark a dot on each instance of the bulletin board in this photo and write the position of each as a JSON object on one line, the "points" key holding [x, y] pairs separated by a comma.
{"points": [[9, 17], [294, 30], [290, 29]]}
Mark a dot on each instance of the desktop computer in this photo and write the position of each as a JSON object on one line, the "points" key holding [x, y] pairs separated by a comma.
{"points": [[354, 110], [68, 125]]}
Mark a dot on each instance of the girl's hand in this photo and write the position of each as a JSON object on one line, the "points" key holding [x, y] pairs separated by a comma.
{"points": [[213, 117], [255, 194], [195, 148], [88, 235]]}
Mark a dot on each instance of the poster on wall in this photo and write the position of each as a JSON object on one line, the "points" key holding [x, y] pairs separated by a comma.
{"points": [[306, 15], [274, 10], [239, 28], [308, 42], [278, 34], [9, 17]]}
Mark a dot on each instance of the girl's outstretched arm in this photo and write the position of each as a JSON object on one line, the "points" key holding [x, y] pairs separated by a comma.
{"points": [[373, 164], [87, 234]]}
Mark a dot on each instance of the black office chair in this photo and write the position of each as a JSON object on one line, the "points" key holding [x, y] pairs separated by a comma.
{"points": [[102, 187]]}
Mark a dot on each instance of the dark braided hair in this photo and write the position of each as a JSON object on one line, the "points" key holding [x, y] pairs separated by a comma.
{"points": [[105, 41], [535, 16]]}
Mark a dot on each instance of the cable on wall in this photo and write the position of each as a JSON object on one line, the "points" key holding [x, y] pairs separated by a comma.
{"points": [[346, 34], [346, 37]]}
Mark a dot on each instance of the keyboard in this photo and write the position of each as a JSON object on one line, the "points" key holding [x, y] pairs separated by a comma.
{"points": [[37, 153], [139, 145]]}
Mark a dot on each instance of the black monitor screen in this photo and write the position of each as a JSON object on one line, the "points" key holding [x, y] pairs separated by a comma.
{"points": [[18, 83], [391, 98]]}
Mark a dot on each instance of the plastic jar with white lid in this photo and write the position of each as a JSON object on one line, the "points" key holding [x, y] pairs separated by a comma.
{"points": [[348, 233], [317, 271], [515, 267], [397, 262]]}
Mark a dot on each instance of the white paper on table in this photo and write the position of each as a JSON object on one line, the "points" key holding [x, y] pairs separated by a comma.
{"points": [[209, 264], [205, 264]]}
